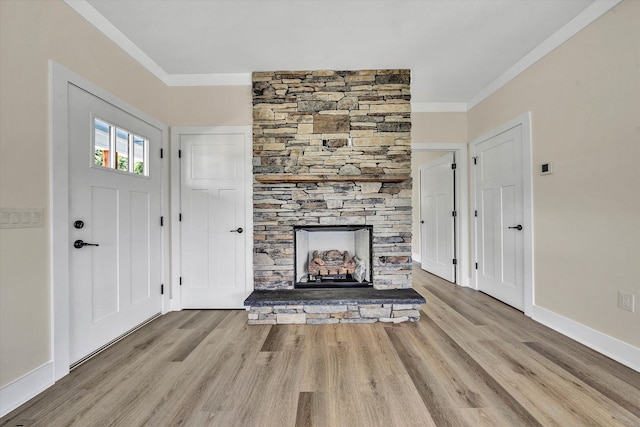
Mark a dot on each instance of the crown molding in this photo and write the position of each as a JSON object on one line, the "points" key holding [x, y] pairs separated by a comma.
{"points": [[438, 107], [95, 18], [228, 79], [586, 17]]}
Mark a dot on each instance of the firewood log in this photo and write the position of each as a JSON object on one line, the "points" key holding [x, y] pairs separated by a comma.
{"points": [[333, 255]]}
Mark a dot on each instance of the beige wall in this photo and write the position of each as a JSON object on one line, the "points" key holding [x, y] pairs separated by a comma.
{"points": [[210, 106], [585, 103], [430, 128], [438, 127]]}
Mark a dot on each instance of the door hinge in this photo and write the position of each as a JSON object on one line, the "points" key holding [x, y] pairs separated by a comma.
{"points": [[455, 261], [454, 213], [161, 221], [475, 160], [180, 280], [476, 265], [180, 217], [453, 165], [162, 153], [475, 213], [161, 289], [179, 154]]}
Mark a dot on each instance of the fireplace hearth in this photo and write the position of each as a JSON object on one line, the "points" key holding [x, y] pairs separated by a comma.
{"points": [[333, 256]]}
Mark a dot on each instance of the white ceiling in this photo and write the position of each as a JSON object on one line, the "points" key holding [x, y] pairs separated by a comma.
{"points": [[457, 50]]}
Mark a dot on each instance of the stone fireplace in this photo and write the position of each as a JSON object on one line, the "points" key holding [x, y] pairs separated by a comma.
{"points": [[331, 152]]}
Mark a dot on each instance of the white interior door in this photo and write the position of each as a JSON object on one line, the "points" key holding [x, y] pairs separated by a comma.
{"points": [[115, 191], [213, 220], [437, 223], [499, 222]]}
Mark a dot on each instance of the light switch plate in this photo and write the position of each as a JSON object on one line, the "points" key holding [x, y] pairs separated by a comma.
{"points": [[546, 168], [21, 217]]}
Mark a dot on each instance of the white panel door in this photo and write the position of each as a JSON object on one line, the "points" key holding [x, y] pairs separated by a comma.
{"points": [[437, 224], [213, 220], [115, 285], [499, 203]]}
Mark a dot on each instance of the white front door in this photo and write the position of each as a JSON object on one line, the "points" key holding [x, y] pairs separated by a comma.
{"points": [[114, 204], [213, 220], [437, 223], [499, 222]]}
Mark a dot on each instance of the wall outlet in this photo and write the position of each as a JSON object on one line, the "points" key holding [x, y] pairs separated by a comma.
{"points": [[627, 301]]}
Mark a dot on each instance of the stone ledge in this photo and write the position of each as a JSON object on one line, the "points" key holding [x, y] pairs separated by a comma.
{"points": [[347, 296]]}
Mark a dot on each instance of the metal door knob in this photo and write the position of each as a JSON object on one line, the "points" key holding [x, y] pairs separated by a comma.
{"points": [[78, 244], [517, 227], [237, 230]]}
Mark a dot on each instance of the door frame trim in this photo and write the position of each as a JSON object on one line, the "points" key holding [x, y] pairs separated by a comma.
{"points": [[59, 79], [523, 120], [462, 202], [176, 234]]}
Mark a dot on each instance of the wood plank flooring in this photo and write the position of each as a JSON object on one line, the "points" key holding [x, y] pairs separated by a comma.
{"points": [[470, 361]]}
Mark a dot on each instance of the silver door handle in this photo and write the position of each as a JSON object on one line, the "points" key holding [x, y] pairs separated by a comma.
{"points": [[237, 230]]}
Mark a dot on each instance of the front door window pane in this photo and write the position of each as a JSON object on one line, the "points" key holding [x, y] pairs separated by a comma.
{"points": [[101, 143], [122, 150], [138, 156]]}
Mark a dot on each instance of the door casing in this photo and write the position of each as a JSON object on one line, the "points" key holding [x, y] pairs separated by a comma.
{"points": [[527, 194], [60, 220], [462, 203]]}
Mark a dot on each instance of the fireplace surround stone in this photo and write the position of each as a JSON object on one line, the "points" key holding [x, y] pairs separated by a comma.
{"points": [[331, 148]]}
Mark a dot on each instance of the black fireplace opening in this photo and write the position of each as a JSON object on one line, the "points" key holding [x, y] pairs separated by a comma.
{"points": [[335, 256]]}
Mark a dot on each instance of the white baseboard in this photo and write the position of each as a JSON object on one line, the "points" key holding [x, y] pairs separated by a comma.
{"points": [[26, 387], [415, 257], [464, 282], [611, 347]]}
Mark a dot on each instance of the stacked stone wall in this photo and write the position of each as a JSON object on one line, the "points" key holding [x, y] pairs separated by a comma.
{"points": [[328, 124]]}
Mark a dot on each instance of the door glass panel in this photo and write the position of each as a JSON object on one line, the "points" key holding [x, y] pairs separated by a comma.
{"points": [[122, 150], [101, 143], [118, 149], [139, 165]]}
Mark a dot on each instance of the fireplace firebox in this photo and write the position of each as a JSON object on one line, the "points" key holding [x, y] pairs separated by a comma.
{"points": [[333, 256]]}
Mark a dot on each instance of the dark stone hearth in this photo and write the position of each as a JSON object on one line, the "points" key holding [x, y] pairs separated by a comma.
{"points": [[333, 297]]}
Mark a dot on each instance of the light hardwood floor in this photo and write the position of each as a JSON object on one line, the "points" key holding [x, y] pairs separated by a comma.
{"points": [[470, 361]]}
